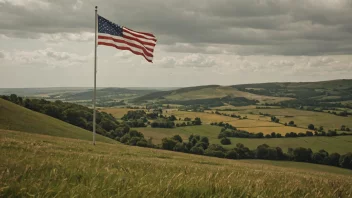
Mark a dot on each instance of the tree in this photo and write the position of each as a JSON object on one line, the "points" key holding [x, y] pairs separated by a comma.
{"points": [[302, 154], [345, 161], [291, 123], [311, 126], [197, 121], [181, 147], [343, 128], [197, 150], [177, 138], [334, 159], [231, 154], [168, 143], [225, 141], [273, 135]]}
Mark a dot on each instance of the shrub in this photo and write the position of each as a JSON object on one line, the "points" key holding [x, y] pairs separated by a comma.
{"points": [[210, 152], [311, 127], [225, 141], [168, 143], [231, 154], [197, 150], [177, 138], [345, 161], [181, 147]]}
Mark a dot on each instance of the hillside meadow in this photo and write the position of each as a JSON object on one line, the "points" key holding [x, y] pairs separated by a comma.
{"points": [[18, 118], [46, 166]]}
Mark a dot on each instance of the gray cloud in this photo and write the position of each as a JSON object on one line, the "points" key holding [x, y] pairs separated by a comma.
{"points": [[2, 55], [268, 27]]}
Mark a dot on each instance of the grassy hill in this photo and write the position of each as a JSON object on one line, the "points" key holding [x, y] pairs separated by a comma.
{"points": [[323, 90], [207, 92], [15, 117], [46, 166]]}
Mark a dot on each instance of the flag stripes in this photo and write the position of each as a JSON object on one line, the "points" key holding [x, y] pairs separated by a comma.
{"points": [[122, 38]]}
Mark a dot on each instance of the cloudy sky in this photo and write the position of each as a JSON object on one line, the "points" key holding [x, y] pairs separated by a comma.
{"points": [[50, 43]]}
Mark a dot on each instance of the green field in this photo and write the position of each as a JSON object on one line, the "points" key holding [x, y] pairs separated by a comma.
{"points": [[339, 144], [46, 166], [301, 117], [15, 117]]}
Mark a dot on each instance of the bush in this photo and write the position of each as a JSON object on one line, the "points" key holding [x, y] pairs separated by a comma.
{"points": [[142, 143], [210, 152], [177, 138], [311, 127], [231, 154], [197, 150], [225, 141], [181, 147], [302, 154], [168, 143], [345, 161]]}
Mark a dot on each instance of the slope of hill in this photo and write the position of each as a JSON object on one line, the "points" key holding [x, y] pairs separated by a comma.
{"points": [[15, 117], [45, 166], [206, 92], [108, 93], [340, 89]]}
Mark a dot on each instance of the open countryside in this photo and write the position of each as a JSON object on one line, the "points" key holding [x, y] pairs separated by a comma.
{"points": [[176, 99]]}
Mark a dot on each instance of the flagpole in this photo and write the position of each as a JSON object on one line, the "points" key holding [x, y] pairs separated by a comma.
{"points": [[95, 73]]}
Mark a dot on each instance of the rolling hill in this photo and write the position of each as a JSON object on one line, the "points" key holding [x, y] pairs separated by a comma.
{"points": [[206, 93], [45, 166], [17, 118]]}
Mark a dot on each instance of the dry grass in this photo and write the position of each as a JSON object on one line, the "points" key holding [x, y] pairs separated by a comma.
{"points": [[117, 112], [46, 166]]}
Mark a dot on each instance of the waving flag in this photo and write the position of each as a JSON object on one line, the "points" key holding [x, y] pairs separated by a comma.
{"points": [[122, 38]]}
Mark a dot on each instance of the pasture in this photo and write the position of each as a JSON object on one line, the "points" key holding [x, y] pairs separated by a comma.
{"points": [[46, 166]]}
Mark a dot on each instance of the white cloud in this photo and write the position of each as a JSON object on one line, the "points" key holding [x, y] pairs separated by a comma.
{"points": [[47, 57]]}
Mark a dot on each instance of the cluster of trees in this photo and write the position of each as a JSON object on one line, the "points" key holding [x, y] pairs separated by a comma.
{"points": [[344, 128], [230, 115], [162, 123], [275, 119], [196, 144], [225, 133], [233, 132], [110, 104], [200, 145], [74, 114], [291, 123]]}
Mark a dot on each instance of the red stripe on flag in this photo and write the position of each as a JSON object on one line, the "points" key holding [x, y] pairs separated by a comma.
{"points": [[124, 48], [145, 51], [145, 33], [138, 35]]}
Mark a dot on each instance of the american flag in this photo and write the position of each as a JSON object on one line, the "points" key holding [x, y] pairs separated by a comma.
{"points": [[139, 43]]}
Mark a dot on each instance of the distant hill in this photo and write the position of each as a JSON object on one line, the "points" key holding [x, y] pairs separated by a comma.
{"points": [[207, 94], [15, 117], [329, 91]]}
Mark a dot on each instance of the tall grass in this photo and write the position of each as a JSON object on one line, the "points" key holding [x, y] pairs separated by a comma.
{"points": [[45, 166]]}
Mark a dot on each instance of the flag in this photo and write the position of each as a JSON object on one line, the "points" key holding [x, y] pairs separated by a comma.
{"points": [[122, 38]]}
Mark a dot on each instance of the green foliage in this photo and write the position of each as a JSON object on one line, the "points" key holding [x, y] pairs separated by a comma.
{"points": [[162, 123], [225, 141], [197, 150], [311, 127], [168, 143], [346, 161]]}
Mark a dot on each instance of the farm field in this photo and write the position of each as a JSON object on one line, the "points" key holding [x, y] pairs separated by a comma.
{"points": [[301, 117], [68, 167], [117, 112], [15, 117], [339, 144]]}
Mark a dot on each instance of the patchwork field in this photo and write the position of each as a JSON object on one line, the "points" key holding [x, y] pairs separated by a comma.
{"points": [[46, 166], [301, 117]]}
